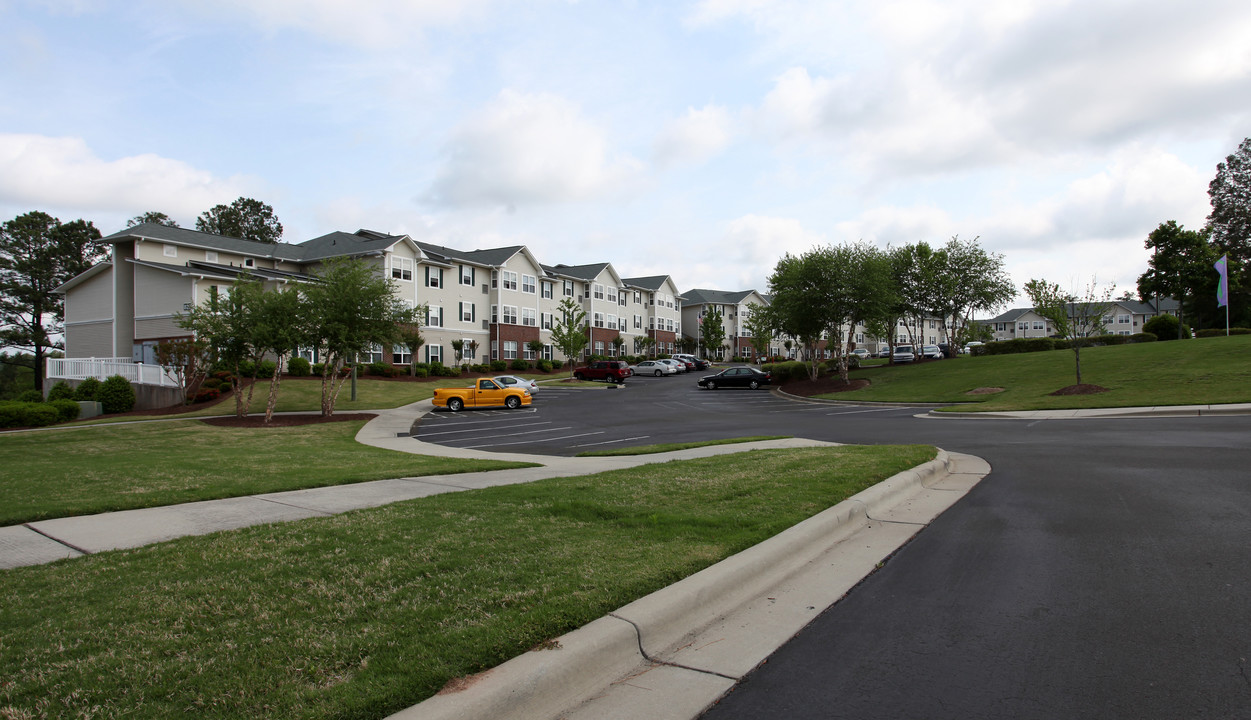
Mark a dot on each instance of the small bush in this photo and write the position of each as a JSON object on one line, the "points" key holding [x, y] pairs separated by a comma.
{"points": [[1164, 327], [1143, 337], [116, 395], [1017, 345], [66, 410], [87, 390], [544, 366], [24, 414], [61, 391], [265, 369], [519, 365], [30, 396], [498, 366], [206, 394], [298, 367], [421, 372], [247, 369], [319, 368], [224, 375], [481, 368], [211, 384]]}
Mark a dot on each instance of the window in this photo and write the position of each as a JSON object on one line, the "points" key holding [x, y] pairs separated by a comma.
{"points": [[1122, 319], [611, 323], [373, 354], [434, 316], [401, 356], [527, 284], [599, 320], [612, 294], [466, 275], [495, 352], [599, 292], [468, 312], [528, 318], [611, 350], [547, 352], [599, 347], [510, 349], [545, 321], [171, 251], [1039, 325], [547, 290], [495, 278], [568, 289], [669, 324], [210, 256], [932, 326], [434, 353], [1022, 326], [527, 353], [638, 297], [510, 279], [434, 276], [249, 262], [510, 315], [402, 269], [638, 322], [495, 314]]}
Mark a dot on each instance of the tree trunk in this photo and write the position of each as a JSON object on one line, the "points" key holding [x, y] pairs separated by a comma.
{"points": [[237, 384], [273, 392], [1077, 355]]}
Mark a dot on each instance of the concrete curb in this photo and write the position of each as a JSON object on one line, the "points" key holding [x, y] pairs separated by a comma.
{"points": [[550, 683]]}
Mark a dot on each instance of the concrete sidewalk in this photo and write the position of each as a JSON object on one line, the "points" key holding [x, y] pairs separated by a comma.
{"points": [[45, 541]]}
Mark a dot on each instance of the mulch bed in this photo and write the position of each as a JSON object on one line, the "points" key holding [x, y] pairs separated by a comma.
{"points": [[984, 391], [258, 421], [822, 385], [1083, 389]]}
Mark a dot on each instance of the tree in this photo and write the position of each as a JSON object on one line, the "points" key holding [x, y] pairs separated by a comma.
{"points": [[761, 332], [411, 338], [617, 344], [151, 216], [1074, 319], [536, 348], [643, 345], [38, 253], [712, 332], [244, 218], [225, 321], [278, 330], [191, 359], [687, 344], [1230, 223], [567, 331], [351, 307], [1181, 268], [969, 280], [458, 349]]}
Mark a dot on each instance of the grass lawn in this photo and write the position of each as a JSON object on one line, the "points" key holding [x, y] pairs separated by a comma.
{"points": [[1201, 371], [362, 614], [670, 447], [84, 471]]}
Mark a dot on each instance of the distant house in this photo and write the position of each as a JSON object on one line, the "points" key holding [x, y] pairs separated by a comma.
{"points": [[1123, 317]]}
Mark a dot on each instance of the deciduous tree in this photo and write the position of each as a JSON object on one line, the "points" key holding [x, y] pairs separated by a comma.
{"points": [[1074, 318], [244, 218], [712, 332], [1180, 267], [567, 333], [151, 216]]}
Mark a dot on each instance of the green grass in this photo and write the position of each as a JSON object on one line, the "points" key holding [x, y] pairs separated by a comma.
{"points": [[365, 613], [670, 447], [101, 469], [1209, 370]]}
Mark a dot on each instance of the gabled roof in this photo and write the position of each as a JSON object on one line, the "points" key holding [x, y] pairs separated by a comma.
{"points": [[716, 297], [195, 238], [491, 257], [651, 282], [83, 276], [337, 244], [1009, 316], [585, 273]]}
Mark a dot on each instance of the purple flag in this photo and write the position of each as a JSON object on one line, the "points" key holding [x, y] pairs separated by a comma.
{"points": [[1222, 288]]}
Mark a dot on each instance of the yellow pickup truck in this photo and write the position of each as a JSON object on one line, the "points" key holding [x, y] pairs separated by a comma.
{"points": [[486, 393]]}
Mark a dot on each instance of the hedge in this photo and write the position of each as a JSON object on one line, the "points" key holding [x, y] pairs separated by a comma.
{"points": [[298, 367], [1220, 332], [26, 414]]}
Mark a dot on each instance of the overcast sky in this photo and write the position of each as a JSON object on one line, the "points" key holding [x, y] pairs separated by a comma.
{"points": [[696, 139]]}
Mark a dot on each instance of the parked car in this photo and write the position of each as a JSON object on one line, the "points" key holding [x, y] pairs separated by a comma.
{"points": [[931, 352], [860, 353], [968, 348], [679, 366], [884, 352], [613, 371], [699, 363], [514, 381], [903, 354], [736, 377], [654, 367], [485, 393]]}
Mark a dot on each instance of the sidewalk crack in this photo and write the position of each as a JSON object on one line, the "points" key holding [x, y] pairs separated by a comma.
{"points": [[57, 540]]}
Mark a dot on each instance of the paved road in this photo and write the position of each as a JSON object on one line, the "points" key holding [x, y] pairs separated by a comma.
{"points": [[1102, 570]]}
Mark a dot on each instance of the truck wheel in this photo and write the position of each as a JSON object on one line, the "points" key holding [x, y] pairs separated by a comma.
{"points": [[512, 402], [455, 404]]}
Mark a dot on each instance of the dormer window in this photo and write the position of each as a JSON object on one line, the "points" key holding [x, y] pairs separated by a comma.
{"points": [[210, 256], [249, 262]]}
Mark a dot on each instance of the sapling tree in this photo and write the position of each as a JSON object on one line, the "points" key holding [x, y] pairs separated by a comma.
{"points": [[1074, 318]]}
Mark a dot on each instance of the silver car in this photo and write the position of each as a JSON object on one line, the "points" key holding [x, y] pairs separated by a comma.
{"points": [[507, 381], [931, 352], [678, 366], [654, 367], [903, 354]]}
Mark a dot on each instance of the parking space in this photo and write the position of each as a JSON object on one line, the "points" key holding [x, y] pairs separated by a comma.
{"points": [[643, 411]]}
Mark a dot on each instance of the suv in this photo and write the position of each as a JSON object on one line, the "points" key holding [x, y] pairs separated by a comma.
{"points": [[613, 371], [903, 354]]}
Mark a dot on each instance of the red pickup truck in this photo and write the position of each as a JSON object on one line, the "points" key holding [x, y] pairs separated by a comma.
{"points": [[613, 371]]}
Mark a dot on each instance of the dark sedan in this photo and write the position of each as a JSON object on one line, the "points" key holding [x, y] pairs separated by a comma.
{"points": [[735, 377]]}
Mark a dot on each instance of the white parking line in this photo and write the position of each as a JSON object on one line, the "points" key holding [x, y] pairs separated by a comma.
{"points": [[483, 422], [469, 430], [525, 442], [528, 432], [853, 412], [610, 442]]}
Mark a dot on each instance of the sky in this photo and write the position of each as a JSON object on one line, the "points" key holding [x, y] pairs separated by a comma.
{"points": [[698, 139]]}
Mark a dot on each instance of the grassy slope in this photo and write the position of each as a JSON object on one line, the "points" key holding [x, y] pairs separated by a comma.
{"points": [[84, 471], [1210, 370], [362, 614]]}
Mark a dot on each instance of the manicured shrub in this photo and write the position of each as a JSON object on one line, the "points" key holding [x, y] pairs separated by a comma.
{"points": [[319, 368], [421, 372], [206, 394], [378, 369], [224, 375], [24, 414], [481, 368], [1164, 327], [247, 369], [519, 365], [498, 366], [66, 410], [116, 395], [544, 366], [298, 367], [1017, 345], [87, 390], [211, 384], [61, 391], [30, 396], [265, 369], [1220, 332], [1143, 337]]}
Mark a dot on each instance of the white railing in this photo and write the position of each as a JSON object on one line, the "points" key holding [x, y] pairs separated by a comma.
{"points": [[101, 368]]}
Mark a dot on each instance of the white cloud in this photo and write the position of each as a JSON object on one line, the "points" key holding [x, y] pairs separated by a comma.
{"points": [[695, 137], [758, 240], [63, 172], [527, 149]]}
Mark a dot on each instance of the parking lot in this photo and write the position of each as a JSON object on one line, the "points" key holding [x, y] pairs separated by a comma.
{"points": [[643, 411]]}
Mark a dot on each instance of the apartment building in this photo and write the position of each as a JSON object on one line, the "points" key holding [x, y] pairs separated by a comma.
{"points": [[498, 301], [1122, 317]]}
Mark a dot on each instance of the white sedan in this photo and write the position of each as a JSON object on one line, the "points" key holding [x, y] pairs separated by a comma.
{"points": [[676, 365], [654, 367], [507, 381]]}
